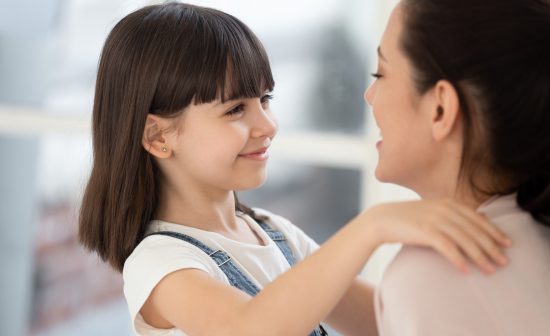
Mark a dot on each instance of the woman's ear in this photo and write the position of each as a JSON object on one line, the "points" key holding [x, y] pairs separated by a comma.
{"points": [[153, 139], [445, 115]]}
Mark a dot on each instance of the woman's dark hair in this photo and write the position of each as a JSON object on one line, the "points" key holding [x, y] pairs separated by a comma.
{"points": [[496, 53], [159, 60]]}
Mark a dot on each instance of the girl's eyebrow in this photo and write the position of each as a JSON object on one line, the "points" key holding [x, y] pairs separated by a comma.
{"points": [[227, 101]]}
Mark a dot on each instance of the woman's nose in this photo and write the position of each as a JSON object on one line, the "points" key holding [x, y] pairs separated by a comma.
{"points": [[369, 94]]}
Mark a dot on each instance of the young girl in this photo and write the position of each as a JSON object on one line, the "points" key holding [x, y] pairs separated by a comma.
{"points": [[181, 119], [470, 82]]}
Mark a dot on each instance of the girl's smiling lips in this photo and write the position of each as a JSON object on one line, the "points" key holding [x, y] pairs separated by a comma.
{"points": [[259, 154]]}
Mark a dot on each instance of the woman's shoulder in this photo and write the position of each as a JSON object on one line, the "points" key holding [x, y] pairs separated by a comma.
{"points": [[422, 293], [414, 266], [421, 284], [429, 273], [417, 269]]}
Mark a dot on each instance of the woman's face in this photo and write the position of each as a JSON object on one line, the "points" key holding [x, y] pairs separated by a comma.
{"points": [[404, 150]]}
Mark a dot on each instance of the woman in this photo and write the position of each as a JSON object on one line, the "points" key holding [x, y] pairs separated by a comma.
{"points": [[462, 99]]}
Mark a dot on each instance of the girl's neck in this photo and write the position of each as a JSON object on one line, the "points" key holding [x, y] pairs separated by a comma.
{"points": [[214, 212], [210, 211]]}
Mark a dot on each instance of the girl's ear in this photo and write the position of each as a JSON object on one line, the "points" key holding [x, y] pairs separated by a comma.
{"points": [[153, 139], [445, 115]]}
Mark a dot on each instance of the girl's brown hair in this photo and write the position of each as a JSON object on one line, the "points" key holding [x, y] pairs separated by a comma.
{"points": [[159, 60]]}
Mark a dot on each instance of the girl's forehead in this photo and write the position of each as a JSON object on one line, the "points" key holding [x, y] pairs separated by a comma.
{"points": [[235, 87]]}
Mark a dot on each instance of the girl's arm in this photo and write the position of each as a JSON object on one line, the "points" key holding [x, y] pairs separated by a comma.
{"points": [[354, 314], [295, 302]]}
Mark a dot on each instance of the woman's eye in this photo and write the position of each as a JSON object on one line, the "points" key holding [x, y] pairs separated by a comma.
{"points": [[266, 98], [236, 110], [376, 75]]}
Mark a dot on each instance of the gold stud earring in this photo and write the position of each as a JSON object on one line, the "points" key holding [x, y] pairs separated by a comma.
{"points": [[164, 149]]}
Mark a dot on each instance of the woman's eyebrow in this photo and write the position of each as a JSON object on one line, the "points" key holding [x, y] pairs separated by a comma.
{"points": [[379, 51]]}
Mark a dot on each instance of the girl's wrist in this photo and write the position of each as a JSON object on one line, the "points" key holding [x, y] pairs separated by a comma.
{"points": [[368, 223]]}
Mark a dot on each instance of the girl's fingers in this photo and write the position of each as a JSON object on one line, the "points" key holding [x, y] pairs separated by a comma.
{"points": [[450, 251], [469, 246], [484, 224], [486, 235], [454, 230], [495, 232], [489, 246]]}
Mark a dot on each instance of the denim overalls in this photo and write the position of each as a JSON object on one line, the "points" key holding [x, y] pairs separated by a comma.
{"points": [[236, 277]]}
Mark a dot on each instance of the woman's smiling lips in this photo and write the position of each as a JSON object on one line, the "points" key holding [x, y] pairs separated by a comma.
{"points": [[379, 142], [258, 155]]}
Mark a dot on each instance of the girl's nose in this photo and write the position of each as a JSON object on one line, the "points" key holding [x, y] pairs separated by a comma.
{"points": [[266, 124]]}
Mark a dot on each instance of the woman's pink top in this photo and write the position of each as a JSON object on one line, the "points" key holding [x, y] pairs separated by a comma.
{"points": [[422, 294]]}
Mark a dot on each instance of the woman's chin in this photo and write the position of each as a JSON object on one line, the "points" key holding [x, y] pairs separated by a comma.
{"points": [[385, 176], [379, 174]]}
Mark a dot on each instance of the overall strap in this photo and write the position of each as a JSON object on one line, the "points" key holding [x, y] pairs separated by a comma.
{"points": [[235, 276], [279, 239]]}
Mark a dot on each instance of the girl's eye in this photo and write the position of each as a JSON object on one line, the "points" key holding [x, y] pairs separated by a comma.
{"points": [[376, 75], [236, 110], [239, 109]]}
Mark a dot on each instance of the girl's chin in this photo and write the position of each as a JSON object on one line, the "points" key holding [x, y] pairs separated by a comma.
{"points": [[251, 184]]}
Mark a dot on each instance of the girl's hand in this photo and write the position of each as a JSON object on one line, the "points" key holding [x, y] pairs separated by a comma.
{"points": [[456, 231]]}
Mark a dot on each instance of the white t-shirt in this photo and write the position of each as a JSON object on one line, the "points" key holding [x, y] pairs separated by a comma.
{"points": [[422, 294], [157, 256]]}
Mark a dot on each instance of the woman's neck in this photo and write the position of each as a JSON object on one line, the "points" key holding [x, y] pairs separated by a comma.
{"points": [[461, 191]]}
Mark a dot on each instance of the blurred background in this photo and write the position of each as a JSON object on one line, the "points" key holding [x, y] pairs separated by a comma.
{"points": [[322, 162]]}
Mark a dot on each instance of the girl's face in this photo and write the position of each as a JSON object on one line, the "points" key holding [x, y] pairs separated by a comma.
{"points": [[404, 147], [223, 145]]}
